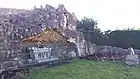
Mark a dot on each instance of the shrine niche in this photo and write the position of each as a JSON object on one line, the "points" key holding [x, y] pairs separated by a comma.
{"points": [[47, 46]]}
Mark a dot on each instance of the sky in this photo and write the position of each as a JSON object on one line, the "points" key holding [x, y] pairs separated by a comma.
{"points": [[110, 14]]}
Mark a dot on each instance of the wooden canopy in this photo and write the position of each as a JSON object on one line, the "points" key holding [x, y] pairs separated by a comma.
{"points": [[48, 36]]}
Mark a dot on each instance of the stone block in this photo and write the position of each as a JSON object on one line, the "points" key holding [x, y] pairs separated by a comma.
{"points": [[132, 60]]}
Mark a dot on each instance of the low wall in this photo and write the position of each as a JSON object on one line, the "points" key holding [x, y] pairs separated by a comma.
{"points": [[96, 52]]}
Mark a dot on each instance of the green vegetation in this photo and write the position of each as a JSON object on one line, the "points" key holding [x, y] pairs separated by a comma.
{"points": [[90, 29], [124, 38], [86, 69]]}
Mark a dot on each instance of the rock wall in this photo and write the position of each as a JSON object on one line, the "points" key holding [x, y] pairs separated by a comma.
{"points": [[81, 47], [17, 24], [12, 11], [97, 52]]}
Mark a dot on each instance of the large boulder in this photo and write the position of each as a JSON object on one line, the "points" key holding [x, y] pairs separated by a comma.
{"points": [[132, 60]]}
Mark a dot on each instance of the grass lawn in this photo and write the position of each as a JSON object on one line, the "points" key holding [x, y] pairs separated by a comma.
{"points": [[86, 69]]}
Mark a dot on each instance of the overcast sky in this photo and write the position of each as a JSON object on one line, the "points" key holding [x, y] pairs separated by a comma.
{"points": [[110, 14]]}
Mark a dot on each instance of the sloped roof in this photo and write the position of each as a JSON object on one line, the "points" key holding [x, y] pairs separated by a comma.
{"points": [[48, 36]]}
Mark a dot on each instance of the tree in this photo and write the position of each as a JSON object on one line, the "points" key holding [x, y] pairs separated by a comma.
{"points": [[89, 28]]}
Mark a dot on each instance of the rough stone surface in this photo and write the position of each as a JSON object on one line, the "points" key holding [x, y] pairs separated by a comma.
{"points": [[132, 60], [137, 51], [81, 44]]}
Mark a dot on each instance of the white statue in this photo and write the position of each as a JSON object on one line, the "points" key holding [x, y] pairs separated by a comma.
{"points": [[132, 51]]}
